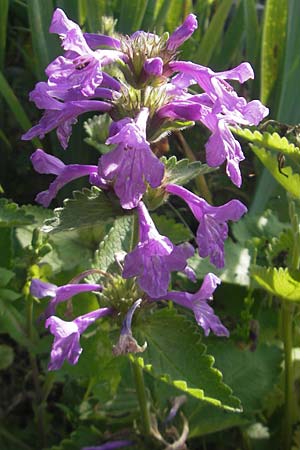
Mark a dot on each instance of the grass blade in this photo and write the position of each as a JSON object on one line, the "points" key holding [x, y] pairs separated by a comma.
{"points": [[45, 45], [15, 107], [273, 41], [3, 26], [213, 33], [251, 29]]}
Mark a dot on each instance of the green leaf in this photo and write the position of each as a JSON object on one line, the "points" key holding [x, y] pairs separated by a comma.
{"points": [[4, 4], [288, 108], [237, 264], [282, 282], [288, 179], [16, 107], [118, 239], [213, 33], [251, 28], [95, 9], [6, 356], [11, 215], [239, 367], [182, 171], [131, 15], [273, 42], [5, 276], [231, 41], [97, 130], [176, 357], [13, 323], [272, 141], [175, 231], [88, 208]]}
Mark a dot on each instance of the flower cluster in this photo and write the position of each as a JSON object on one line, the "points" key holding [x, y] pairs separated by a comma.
{"points": [[152, 93]]}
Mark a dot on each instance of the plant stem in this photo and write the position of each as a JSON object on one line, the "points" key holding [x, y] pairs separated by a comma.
{"points": [[289, 375], [200, 179], [142, 397], [40, 413]]}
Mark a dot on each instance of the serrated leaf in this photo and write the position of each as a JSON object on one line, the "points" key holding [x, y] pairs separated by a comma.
{"points": [[88, 208], [176, 357], [169, 126], [288, 179], [239, 367], [118, 239], [182, 171], [175, 231], [282, 282], [272, 141], [11, 215], [97, 128]]}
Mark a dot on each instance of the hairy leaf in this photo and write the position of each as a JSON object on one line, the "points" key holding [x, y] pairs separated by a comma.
{"points": [[287, 178], [176, 357], [175, 231], [11, 215], [182, 171], [88, 207], [272, 141], [282, 282]]}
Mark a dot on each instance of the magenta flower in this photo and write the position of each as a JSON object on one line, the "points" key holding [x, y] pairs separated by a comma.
{"points": [[219, 107], [58, 294], [81, 67], [182, 33], [131, 164], [44, 163], [155, 257], [66, 345], [198, 303], [59, 114], [213, 229], [154, 66]]}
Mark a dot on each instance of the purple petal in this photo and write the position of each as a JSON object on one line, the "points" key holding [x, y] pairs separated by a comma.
{"points": [[44, 163], [41, 289], [182, 33], [99, 40], [68, 173], [154, 66]]}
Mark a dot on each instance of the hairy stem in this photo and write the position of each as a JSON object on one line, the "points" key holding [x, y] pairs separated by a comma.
{"points": [[142, 397], [289, 373]]}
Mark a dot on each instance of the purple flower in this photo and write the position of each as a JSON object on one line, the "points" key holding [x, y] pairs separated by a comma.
{"points": [[131, 164], [111, 445], [59, 114], [81, 67], [66, 344], [154, 66], [219, 107], [58, 294], [213, 229], [127, 343], [155, 257], [182, 33], [198, 303], [44, 163]]}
